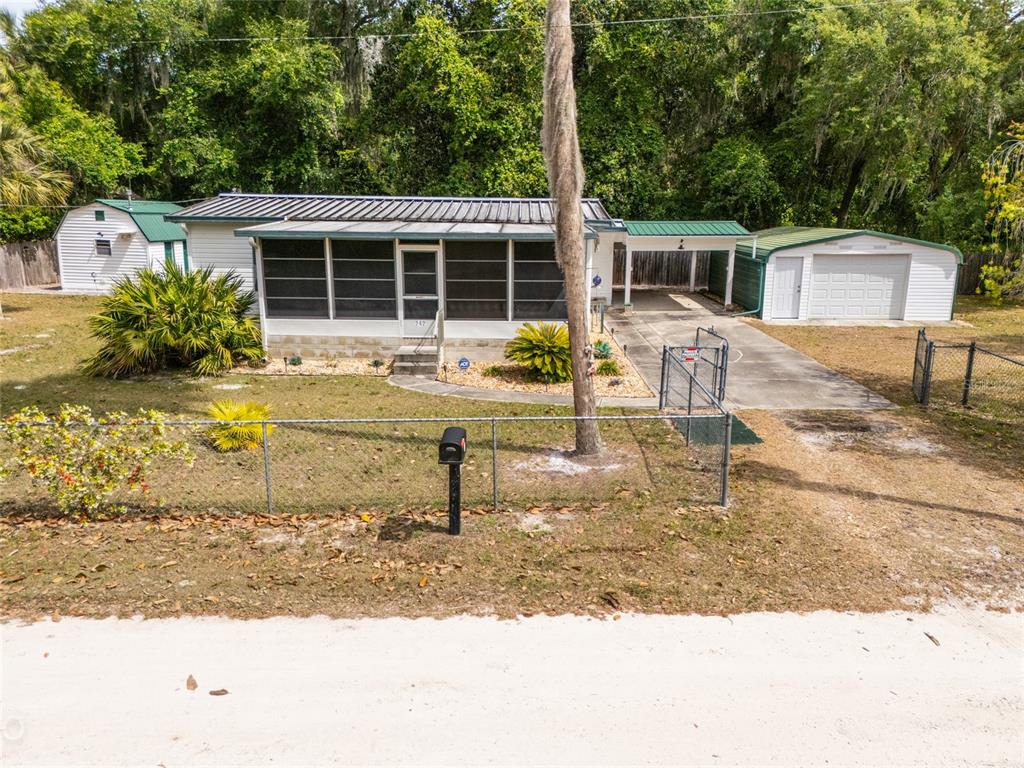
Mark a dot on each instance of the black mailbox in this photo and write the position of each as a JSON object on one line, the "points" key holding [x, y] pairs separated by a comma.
{"points": [[452, 449]]}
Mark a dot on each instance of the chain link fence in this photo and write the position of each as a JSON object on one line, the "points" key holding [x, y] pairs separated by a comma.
{"points": [[967, 375], [329, 465]]}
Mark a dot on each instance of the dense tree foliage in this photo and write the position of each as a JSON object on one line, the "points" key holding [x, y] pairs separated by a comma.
{"points": [[881, 113]]}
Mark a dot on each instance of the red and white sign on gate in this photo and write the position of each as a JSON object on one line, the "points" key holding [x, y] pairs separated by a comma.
{"points": [[690, 354]]}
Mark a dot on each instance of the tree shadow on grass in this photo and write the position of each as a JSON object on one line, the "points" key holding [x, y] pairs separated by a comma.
{"points": [[793, 480]]}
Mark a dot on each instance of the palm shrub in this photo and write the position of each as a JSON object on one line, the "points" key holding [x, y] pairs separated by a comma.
{"points": [[175, 319], [543, 349], [234, 436], [608, 368]]}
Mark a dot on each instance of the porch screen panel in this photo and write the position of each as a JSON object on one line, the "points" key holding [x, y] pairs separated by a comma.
{"points": [[539, 289], [295, 276], [364, 278], [476, 280]]}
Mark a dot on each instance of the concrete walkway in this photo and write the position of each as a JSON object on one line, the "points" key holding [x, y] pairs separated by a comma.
{"points": [[763, 372], [432, 387], [753, 689]]}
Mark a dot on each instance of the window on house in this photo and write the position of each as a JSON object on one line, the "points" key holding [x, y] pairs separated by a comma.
{"points": [[103, 248], [295, 278], [539, 288], [169, 254], [476, 280], [184, 254], [100, 215], [364, 278]]}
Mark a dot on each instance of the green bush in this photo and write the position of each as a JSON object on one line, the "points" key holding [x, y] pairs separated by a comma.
{"points": [[83, 461], [602, 350], [493, 371], [543, 349], [608, 368], [999, 281], [175, 319], [233, 436]]}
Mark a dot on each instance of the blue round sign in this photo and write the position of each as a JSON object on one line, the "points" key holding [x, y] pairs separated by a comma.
{"points": [[463, 363], [597, 280]]}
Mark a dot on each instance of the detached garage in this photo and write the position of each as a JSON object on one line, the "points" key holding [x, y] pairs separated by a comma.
{"points": [[810, 273]]}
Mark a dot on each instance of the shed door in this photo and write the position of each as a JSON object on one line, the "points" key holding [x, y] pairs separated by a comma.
{"points": [[858, 286], [786, 293]]}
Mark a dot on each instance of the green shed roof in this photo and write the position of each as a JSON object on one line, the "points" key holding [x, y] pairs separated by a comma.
{"points": [[782, 238], [686, 228], [148, 216]]}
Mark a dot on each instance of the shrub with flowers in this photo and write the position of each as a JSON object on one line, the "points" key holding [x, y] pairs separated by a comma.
{"points": [[82, 460]]}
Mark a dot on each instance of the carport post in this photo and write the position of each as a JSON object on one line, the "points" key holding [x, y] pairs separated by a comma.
{"points": [[728, 275], [629, 274]]}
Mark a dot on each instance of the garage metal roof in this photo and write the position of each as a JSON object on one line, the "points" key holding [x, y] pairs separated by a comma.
{"points": [[403, 230], [782, 238], [148, 216], [686, 228], [494, 210]]}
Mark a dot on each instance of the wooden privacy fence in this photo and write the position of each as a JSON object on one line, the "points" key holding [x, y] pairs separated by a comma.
{"points": [[28, 264], [662, 269]]}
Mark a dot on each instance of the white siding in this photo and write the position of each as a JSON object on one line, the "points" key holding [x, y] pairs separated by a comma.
{"points": [[80, 268], [215, 245], [602, 267], [930, 284]]}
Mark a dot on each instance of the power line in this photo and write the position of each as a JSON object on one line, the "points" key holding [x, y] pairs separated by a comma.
{"points": [[538, 26]]}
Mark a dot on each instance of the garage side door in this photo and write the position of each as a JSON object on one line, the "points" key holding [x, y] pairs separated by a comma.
{"points": [[858, 286]]}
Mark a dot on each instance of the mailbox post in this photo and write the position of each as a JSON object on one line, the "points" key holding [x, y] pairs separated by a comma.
{"points": [[452, 451]]}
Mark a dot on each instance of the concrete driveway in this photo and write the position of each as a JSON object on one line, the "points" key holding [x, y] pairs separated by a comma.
{"points": [[763, 372]]}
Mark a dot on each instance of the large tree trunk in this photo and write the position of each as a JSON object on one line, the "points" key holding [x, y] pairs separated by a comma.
{"points": [[565, 180], [852, 181]]}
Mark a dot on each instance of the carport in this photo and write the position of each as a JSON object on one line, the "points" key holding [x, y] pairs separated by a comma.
{"points": [[683, 237]]}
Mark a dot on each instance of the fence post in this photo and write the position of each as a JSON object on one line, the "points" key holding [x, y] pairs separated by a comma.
{"points": [[494, 462], [926, 381], [266, 468], [664, 378], [725, 460], [968, 373]]}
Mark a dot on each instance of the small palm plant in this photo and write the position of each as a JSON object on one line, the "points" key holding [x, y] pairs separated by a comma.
{"points": [[175, 319], [544, 350], [233, 435]]}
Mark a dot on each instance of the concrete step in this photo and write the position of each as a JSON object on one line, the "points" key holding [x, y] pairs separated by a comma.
{"points": [[418, 368]]}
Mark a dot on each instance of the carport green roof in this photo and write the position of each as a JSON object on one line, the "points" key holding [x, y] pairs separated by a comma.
{"points": [[148, 216], [782, 238], [686, 228]]}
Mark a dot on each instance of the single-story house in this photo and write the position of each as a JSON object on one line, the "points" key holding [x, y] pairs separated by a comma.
{"points": [[100, 243], [809, 273], [366, 275]]}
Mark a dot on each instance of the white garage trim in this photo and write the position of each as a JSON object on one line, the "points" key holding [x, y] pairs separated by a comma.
{"points": [[858, 286]]}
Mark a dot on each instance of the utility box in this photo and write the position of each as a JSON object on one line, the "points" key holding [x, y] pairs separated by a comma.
{"points": [[452, 448]]}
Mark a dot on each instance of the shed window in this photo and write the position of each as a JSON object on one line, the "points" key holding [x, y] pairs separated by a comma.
{"points": [[539, 288], [103, 248], [169, 254], [295, 278], [476, 280], [364, 278], [100, 215]]}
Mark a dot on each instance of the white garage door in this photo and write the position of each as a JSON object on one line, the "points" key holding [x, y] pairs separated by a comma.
{"points": [[858, 286]]}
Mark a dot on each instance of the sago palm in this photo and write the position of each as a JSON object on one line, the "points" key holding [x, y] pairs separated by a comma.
{"points": [[543, 349], [175, 319]]}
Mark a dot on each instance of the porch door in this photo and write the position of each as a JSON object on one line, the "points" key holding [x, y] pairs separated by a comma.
{"points": [[419, 290], [786, 292]]}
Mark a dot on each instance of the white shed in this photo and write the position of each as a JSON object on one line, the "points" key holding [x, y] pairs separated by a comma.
{"points": [[810, 273], [100, 243]]}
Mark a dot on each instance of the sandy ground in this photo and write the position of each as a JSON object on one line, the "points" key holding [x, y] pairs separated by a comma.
{"points": [[945, 688]]}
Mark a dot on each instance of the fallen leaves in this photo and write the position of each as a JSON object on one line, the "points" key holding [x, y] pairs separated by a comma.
{"points": [[219, 692], [191, 683]]}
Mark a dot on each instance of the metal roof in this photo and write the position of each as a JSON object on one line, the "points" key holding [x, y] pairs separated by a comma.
{"points": [[148, 216], [686, 229], [494, 210], [403, 230], [782, 238]]}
